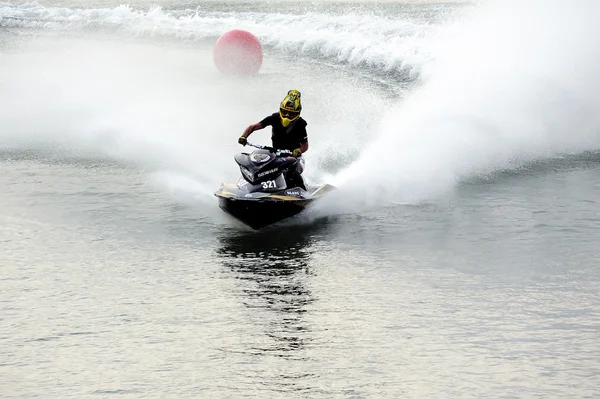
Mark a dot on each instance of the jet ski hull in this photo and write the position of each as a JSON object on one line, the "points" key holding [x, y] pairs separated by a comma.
{"points": [[258, 209], [261, 213]]}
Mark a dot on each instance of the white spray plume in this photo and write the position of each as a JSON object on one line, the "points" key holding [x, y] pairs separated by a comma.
{"points": [[159, 108], [513, 81]]}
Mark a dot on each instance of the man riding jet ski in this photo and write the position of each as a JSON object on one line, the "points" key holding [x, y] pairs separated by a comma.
{"points": [[288, 133], [271, 187]]}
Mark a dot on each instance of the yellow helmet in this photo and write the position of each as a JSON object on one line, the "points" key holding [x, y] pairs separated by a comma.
{"points": [[290, 107]]}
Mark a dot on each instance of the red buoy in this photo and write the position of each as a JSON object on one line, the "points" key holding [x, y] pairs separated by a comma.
{"points": [[238, 52]]}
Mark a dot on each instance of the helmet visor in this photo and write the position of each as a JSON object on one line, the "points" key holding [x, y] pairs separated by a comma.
{"points": [[288, 114]]}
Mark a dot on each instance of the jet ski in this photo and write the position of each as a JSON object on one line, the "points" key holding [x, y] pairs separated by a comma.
{"points": [[264, 194]]}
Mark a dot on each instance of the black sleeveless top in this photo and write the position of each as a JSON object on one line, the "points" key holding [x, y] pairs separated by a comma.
{"points": [[286, 138]]}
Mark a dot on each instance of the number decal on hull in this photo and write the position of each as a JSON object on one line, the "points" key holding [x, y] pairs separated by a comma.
{"points": [[269, 184]]}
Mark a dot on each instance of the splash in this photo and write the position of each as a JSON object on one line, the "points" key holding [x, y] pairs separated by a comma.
{"points": [[164, 109], [377, 43], [511, 82], [157, 108]]}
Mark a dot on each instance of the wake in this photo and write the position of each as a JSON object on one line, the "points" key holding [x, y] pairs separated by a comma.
{"points": [[511, 82]]}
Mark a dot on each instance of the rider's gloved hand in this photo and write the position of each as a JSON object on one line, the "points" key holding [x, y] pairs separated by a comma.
{"points": [[296, 153], [242, 140]]}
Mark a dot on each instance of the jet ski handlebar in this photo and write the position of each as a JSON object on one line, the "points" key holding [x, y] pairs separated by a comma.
{"points": [[279, 153]]}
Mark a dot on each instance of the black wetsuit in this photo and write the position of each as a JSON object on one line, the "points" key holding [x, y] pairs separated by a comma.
{"points": [[288, 138]]}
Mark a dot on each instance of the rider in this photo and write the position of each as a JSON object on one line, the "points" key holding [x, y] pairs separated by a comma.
{"points": [[288, 132]]}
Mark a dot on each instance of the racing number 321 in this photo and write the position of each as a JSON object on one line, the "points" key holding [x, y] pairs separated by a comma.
{"points": [[268, 184]]}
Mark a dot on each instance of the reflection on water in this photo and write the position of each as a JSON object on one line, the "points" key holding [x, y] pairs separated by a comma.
{"points": [[273, 272]]}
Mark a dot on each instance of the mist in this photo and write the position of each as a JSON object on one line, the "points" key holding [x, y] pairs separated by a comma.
{"points": [[502, 85], [511, 82]]}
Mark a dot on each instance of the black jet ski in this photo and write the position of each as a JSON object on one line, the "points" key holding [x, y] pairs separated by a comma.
{"points": [[264, 194]]}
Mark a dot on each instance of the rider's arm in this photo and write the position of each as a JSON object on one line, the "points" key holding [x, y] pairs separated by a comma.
{"points": [[304, 147], [251, 128], [300, 150]]}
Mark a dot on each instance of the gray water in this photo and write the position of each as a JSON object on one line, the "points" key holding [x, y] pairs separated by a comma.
{"points": [[120, 276]]}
